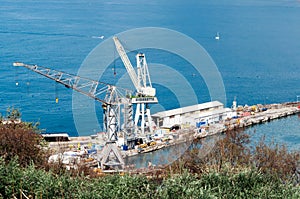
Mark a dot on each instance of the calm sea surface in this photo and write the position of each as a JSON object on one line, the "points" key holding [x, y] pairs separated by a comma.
{"points": [[257, 54]]}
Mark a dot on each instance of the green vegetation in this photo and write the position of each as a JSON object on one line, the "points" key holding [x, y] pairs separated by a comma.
{"points": [[42, 184], [20, 139], [232, 169]]}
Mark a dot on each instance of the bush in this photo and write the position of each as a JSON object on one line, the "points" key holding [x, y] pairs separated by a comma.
{"points": [[246, 184], [41, 184], [21, 139], [234, 153], [276, 160], [230, 170]]}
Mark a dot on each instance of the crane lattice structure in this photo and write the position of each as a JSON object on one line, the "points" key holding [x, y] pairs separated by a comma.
{"points": [[114, 98], [145, 93]]}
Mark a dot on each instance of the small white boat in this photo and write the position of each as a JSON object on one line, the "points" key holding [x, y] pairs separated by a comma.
{"points": [[98, 37], [217, 37]]}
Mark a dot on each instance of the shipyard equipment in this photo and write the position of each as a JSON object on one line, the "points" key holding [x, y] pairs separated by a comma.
{"points": [[113, 100], [145, 93]]}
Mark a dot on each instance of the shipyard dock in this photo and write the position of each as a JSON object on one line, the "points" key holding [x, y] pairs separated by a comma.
{"points": [[89, 147]]}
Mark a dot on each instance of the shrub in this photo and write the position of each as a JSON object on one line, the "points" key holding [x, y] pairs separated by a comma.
{"points": [[21, 139], [275, 159], [41, 184]]}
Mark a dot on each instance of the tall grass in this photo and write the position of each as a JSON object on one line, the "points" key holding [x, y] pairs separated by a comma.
{"points": [[38, 183], [232, 169]]}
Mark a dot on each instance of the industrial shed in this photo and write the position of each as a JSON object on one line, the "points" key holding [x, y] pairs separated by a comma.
{"points": [[209, 112]]}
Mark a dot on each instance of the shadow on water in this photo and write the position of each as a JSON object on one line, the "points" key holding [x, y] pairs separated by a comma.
{"points": [[169, 154], [163, 156]]}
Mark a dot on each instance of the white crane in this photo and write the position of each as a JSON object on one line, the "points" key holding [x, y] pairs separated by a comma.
{"points": [[112, 99], [145, 93]]}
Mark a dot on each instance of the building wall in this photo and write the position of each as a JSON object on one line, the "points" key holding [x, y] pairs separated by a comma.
{"points": [[172, 120], [210, 113], [192, 118]]}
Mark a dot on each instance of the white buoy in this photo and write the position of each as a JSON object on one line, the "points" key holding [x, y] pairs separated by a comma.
{"points": [[17, 83]]}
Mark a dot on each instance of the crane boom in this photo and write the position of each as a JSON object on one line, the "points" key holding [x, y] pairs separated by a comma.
{"points": [[88, 87], [142, 82], [111, 105], [127, 63]]}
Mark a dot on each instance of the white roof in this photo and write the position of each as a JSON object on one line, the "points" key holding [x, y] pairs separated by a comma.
{"points": [[211, 113], [55, 135], [188, 109]]}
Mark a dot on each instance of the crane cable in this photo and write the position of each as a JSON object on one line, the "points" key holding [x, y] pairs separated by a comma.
{"points": [[56, 93], [28, 82], [127, 48], [115, 72], [16, 78]]}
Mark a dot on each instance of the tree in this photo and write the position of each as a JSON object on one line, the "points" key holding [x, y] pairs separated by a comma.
{"points": [[13, 114], [22, 140]]}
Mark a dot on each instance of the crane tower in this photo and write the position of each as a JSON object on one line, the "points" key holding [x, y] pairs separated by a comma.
{"points": [[114, 99], [145, 93]]}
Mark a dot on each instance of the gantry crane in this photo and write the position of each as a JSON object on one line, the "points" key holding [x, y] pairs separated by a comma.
{"points": [[145, 93], [114, 99]]}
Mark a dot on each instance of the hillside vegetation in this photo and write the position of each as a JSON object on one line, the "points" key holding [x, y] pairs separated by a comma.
{"points": [[232, 169]]}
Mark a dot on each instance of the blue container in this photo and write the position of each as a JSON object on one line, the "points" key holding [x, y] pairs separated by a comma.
{"points": [[125, 147], [199, 124]]}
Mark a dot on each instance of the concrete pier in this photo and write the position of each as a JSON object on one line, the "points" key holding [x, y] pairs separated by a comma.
{"points": [[274, 111], [252, 115], [246, 116]]}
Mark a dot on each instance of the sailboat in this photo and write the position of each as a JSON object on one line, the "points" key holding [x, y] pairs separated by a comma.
{"points": [[217, 37]]}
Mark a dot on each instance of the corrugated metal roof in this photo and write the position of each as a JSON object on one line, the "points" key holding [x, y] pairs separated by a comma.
{"points": [[188, 109], [55, 135], [212, 113]]}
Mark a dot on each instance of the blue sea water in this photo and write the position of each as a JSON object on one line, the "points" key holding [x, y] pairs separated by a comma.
{"points": [[257, 54], [284, 131]]}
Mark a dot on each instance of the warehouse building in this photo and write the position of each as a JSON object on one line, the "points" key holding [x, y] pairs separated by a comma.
{"points": [[196, 115]]}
